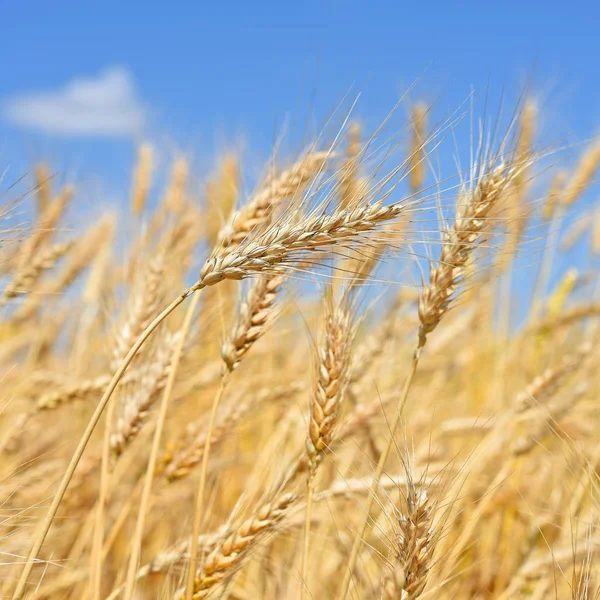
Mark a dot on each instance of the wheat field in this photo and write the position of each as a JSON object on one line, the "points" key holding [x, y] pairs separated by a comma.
{"points": [[362, 378]]}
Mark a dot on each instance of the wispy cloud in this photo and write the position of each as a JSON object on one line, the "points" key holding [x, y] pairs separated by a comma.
{"points": [[105, 105]]}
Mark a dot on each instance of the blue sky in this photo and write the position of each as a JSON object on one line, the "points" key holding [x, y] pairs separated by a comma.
{"points": [[199, 75]]}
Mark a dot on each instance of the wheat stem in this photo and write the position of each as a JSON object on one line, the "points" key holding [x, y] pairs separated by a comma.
{"points": [[199, 511], [144, 503], [343, 592]]}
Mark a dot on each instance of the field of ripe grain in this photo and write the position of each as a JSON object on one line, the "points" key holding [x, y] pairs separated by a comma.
{"points": [[363, 379]]}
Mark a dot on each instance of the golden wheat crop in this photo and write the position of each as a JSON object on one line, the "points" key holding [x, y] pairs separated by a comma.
{"points": [[336, 386]]}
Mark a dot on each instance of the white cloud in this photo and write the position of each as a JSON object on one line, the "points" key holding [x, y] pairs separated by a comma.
{"points": [[105, 105]]}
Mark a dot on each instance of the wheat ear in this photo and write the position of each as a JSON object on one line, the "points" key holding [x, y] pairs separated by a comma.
{"points": [[25, 279], [259, 211], [412, 549], [236, 547], [349, 182], [583, 174], [417, 153], [142, 178], [458, 244], [43, 187], [332, 371], [254, 313]]}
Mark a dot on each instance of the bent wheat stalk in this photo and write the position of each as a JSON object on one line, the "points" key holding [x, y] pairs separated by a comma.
{"points": [[151, 467], [85, 438]]}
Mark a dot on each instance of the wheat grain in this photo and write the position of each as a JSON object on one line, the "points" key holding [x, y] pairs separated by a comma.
{"points": [[254, 314], [259, 211], [235, 548], [458, 243]]}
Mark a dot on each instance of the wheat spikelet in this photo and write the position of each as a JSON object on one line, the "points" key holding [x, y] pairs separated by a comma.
{"points": [[78, 391], [175, 195], [332, 373], [458, 243], [349, 183], [43, 187], [24, 279], [259, 211], [254, 313], [412, 549], [142, 178], [288, 242], [544, 386], [416, 165], [144, 307], [583, 175], [557, 301], [233, 550], [135, 408], [555, 193], [44, 228]]}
